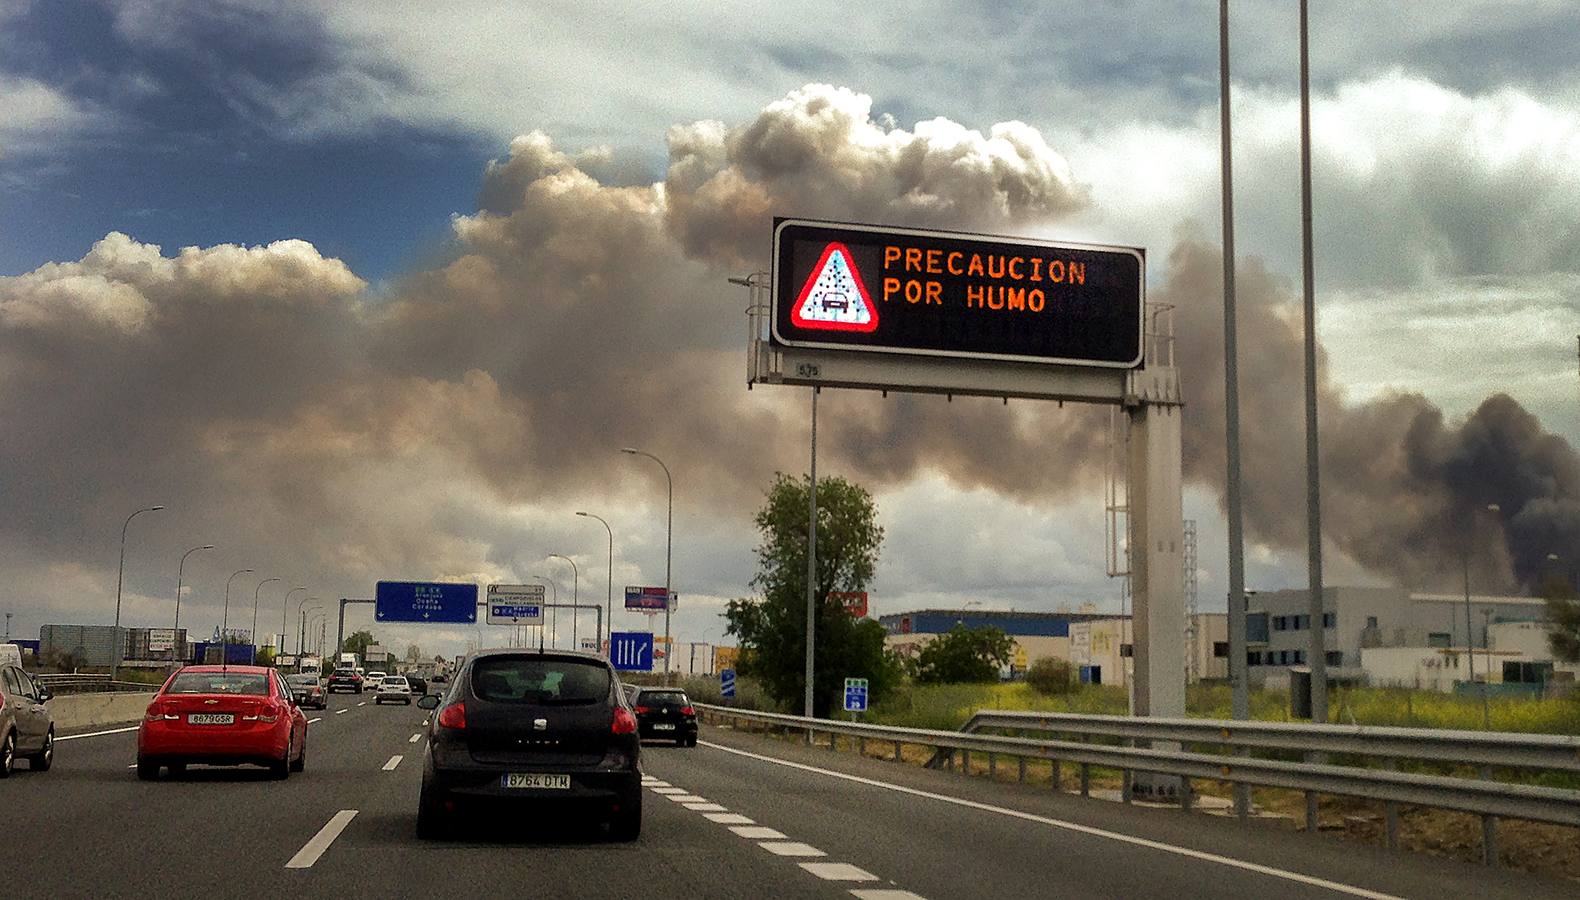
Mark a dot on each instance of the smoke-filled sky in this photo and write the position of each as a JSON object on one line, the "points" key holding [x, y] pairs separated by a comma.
{"points": [[363, 291]]}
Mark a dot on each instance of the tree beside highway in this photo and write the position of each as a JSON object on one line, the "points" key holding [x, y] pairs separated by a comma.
{"points": [[964, 655], [772, 629], [1563, 613]]}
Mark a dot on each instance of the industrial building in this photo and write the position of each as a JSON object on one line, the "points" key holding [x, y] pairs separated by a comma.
{"points": [[1429, 626]]}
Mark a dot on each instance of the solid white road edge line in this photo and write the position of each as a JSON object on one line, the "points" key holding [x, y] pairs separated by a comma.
{"points": [[320, 842], [72, 737], [1073, 826], [394, 761]]}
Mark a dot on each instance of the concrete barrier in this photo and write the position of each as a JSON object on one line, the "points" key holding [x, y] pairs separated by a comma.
{"points": [[82, 712]]}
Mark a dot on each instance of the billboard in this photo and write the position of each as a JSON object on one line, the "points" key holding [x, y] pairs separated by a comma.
{"points": [[952, 294], [855, 602], [161, 640], [647, 598]]}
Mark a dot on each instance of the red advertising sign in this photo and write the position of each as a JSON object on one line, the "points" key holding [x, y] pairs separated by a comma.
{"points": [[855, 602]]}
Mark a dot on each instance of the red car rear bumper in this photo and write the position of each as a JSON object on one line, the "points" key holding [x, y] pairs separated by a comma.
{"points": [[241, 742]]}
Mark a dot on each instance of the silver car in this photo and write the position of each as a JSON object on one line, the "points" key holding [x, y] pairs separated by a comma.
{"points": [[27, 730]]}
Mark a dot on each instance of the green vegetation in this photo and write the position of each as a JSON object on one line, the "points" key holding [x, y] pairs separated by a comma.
{"points": [[1563, 612], [963, 655], [1052, 676], [772, 630]]}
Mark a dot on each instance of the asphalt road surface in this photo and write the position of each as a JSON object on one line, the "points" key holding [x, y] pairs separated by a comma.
{"points": [[737, 816]]}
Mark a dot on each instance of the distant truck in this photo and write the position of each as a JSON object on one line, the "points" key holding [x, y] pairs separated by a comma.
{"points": [[348, 661]]}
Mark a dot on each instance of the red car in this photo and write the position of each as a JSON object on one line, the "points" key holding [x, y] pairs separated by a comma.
{"points": [[222, 716]]}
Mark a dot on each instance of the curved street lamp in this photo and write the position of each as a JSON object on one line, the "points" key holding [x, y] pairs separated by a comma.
{"points": [[301, 636], [224, 621], [120, 574], [556, 599], [253, 656], [669, 536], [609, 599], [180, 571], [575, 592], [285, 610]]}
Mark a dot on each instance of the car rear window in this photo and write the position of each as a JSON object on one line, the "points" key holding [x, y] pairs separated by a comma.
{"points": [[521, 679], [302, 679], [219, 683], [394, 681], [663, 697]]}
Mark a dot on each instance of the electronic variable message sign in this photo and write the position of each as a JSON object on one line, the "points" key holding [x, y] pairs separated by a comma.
{"points": [[936, 293]]}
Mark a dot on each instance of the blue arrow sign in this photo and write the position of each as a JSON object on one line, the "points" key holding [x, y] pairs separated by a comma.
{"points": [[727, 682], [424, 601], [631, 651], [855, 695]]}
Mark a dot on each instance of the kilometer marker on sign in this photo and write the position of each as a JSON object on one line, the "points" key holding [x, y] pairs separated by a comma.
{"points": [[834, 297]]}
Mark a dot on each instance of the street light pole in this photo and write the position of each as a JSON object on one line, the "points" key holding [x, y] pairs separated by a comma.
{"points": [[224, 622], [669, 544], [301, 636], [285, 610], [120, 575], [576, 592], [253, 656], [554, 598], [181, 571], [609, 599]]}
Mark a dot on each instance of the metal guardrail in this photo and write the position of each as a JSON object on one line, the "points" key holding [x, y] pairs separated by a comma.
{"points": [[1479, 795], [88, 683]]}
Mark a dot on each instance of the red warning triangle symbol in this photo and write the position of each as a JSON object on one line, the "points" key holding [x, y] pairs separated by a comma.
{"points": [[834, 297]]}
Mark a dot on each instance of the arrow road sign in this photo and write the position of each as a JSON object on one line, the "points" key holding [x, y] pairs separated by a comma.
{"points": [[727, 683], [632, 651]]}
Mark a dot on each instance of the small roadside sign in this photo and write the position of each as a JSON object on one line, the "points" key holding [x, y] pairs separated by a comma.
{"points": [[727, 684], [855, 695]]}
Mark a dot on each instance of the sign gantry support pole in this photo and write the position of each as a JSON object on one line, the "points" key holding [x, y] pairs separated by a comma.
{"points": [[811, 570]]}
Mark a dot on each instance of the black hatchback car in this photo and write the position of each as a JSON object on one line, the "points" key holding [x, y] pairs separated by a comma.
{"points": [[519, 728], [665, 714]]}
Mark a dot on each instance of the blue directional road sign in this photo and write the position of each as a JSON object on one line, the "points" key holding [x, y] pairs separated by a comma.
{"points": [[727, 683], [631, 651], [424, 601], [855, 695]]}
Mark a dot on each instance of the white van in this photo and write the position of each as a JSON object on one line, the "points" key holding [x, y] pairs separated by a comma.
{"points": [[10, 655]]}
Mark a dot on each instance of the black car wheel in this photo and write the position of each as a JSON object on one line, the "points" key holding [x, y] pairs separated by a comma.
{"points": [[147, 769], [432, 825], [626, 825], [300, 764], [280, 769], [177, 769], [43, 759], [7, 754]]}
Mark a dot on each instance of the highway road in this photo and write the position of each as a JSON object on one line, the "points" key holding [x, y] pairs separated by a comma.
{"points": [[737, 816]]}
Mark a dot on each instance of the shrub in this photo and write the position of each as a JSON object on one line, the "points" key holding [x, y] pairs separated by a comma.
{"points": [[1051, 676]]}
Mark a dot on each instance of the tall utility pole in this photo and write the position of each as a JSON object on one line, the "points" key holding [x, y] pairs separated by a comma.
{"points": [[1240, 702], [609, 598], [1318, 658], [285, 609], [811, 569]]}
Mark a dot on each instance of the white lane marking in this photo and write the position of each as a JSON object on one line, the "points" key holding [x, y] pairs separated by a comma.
{"points": [[704, 807], [655, 783], [363, 703], [72, 737], [687, 798], [394, 761], [319, 719], [885, 894], [320, 842], [838, 871], [425, 723], [415, 738], [672, 791], [791, 848], [340, 712], [1258, 868], [132, 766], [756, 832]]}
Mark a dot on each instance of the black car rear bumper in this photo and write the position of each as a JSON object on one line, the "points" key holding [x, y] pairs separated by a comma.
{"points": [[470, 783]]}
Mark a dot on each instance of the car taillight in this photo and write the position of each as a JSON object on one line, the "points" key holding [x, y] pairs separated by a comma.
{"points": [[624, 722], [688, 710], [453, 716], [643, 710]]}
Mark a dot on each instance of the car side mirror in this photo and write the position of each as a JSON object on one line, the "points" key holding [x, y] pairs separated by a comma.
{"points": [[428, 701], [44, 696]]}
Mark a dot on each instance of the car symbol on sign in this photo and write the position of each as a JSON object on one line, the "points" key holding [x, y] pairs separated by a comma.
{"points": [[833, 300]]}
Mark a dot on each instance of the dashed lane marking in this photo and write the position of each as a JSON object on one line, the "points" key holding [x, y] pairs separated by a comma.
{"points": [[704, 807], [756, 832], [320, 842], [394, 761], [671, 791], [363, 703], [1201, 855], [415, 738], [791, 848], [884, 894], [687, 798], [838, 871], [319, 719], [341, 712], [72, 737]]}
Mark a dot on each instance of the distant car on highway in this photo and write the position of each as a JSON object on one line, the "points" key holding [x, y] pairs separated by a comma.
{"points": [[665, 714], [395, 689], [348, 680], [371, 680], [532, 728], [308, 690], [222, 716], [27, 730], [418, 685]]}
